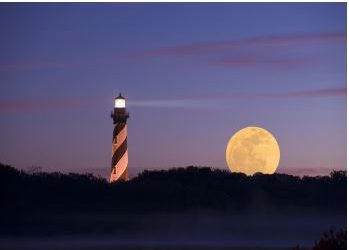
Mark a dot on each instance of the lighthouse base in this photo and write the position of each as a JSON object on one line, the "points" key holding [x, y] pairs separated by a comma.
{"points": [[116, 177]]}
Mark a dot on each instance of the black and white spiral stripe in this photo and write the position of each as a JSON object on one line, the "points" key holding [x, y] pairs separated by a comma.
{"points": [[119, 153]]}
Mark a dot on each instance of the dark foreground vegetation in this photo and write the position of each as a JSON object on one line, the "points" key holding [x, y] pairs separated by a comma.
{"points": [[174, 189], [54, 203], [330, 241]]}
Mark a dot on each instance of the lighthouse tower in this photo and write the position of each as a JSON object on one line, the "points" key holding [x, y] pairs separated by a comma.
{"points": [[119, 162]]}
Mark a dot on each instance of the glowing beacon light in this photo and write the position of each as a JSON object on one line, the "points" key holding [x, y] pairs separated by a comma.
{"points": [[119, 162], [120, 102]]}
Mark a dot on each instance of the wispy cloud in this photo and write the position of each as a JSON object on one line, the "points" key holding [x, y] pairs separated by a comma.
{"points": [[229, 53], [257, 60], [204, 47], [317, 93], [263, 52], [329, 92], [47, 105]]}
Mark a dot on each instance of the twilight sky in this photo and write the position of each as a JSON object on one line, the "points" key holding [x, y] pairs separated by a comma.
{"points": [[193, 75]]}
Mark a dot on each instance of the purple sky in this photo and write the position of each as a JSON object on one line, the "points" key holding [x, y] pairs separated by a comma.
{"points": [[193, 75]]}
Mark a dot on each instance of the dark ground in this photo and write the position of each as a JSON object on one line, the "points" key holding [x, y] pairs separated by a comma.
{"points": [[191, 208]]}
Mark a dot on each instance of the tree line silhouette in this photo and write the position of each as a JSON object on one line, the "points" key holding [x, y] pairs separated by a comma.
{"points": [[174, 189], [177, 189]]}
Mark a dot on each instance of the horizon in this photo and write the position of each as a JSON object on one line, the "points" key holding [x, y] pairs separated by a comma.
{"points": [[105, 173]]}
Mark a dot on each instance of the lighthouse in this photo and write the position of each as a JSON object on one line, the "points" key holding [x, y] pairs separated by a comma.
{"points": [[119, 161]]}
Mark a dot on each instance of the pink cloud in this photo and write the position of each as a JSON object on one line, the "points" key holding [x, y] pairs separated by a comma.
{"points": [[44, 105], [203, 47], [328, 92], [207, 48], [319, 92], [261, 61]]}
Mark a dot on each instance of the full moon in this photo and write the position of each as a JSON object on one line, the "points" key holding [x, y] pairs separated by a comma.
{"points": [[253, 150]]}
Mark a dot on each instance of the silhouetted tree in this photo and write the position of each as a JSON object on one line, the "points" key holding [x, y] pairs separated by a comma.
{"points": [[332, 241], [338, 175]]}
